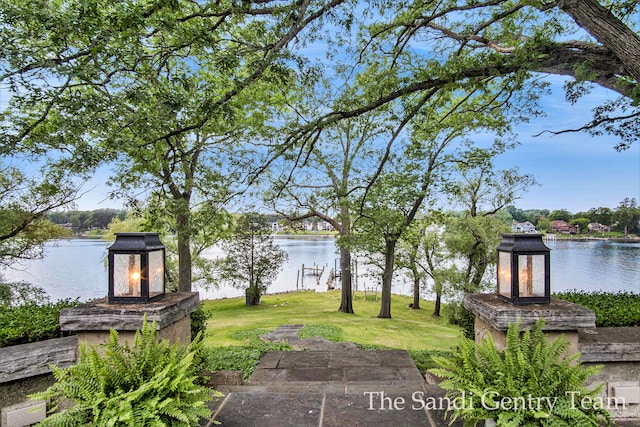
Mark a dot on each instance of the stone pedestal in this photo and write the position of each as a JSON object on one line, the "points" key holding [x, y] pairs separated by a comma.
{"points": [[494, 315], [93, 321]]}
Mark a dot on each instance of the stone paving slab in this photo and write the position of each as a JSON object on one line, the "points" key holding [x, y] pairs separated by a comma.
{"points": [[361, 410], [270, 409], [327, 410]]}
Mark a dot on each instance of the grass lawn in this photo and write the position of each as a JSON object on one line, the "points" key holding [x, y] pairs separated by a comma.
{"points": [[408, 329]]}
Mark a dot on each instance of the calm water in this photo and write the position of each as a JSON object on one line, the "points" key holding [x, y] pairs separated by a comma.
{"points": [[76, 268]]}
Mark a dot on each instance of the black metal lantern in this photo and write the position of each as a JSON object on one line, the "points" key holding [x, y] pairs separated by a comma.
{"points": [[136, 268], [523, 269]]}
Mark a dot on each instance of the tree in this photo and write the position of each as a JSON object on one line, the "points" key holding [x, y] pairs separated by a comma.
{"points": [[513, 42], [582, 223], [560, 214], [544, 224], [24, 203], [391, 205], [252, 261], [428, 256], [418, 169], [628, 216], [483, 192], [601, 215], [328, 185], [407, 258], [165, 89]]}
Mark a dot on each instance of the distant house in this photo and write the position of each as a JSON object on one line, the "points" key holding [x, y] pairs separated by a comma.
{"points": [[596, 227], [307, 225], [324, 226], [523, 227], [563, 227], [274, 226]]}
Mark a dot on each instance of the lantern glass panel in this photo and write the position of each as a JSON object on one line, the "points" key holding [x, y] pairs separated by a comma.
{"points": [[156, 273], [126, 275], [531, 275], [504, 274]]}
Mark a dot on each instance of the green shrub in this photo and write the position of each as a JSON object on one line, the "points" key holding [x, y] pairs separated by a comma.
{"points": [[31, 322], [478, 377], [199, 321], [611, 308], [460, 316], [150, 384]]}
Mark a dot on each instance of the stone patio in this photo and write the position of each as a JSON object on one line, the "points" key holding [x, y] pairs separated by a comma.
{"points": [[330, 384]]}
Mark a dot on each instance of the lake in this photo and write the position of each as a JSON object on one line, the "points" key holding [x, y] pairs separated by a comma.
{"points": [[76, 268]]}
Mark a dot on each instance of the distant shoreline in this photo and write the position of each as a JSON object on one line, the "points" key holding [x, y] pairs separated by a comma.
{"points": [[608, 239]]}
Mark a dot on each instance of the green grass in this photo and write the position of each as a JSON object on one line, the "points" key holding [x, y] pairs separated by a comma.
{"points": [[232, 338], [408, 329]]}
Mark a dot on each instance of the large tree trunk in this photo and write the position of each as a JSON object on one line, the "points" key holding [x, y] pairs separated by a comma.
{"points": [[346, 304], [478, 274], [436, 309], [608, 30], [184, 252], [416, 290], [387, 276]]}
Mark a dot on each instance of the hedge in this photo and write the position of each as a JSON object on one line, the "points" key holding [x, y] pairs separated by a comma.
{"points": [[611, 308]]}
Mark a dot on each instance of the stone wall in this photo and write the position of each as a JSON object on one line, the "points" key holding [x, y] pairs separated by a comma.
{"points": [[29, 360], [617, 351]]}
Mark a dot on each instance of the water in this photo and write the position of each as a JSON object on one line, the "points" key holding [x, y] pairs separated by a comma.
{"points": [[77, 269], [597, 265]]}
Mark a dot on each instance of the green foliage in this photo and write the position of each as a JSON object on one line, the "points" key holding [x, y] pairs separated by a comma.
{"points": [[24, 201], [96, 220], [199, 321], [241, 357], [424, 358], [479, 376], [460, 316], [31, 322], [150, 384], [252, 260], [19, 293], [611, 308]]}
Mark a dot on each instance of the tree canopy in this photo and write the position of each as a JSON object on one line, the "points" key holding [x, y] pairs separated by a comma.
{"points": [[191, 101]]}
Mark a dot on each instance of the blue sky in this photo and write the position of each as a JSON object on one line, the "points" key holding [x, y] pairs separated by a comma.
{"points": [[575, 171]]}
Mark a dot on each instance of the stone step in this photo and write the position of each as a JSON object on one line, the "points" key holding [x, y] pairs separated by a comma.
{"points": [[356, 387]]}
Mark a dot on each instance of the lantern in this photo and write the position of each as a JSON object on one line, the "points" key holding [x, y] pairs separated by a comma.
{"points": [[136, 268], [523, 269]]}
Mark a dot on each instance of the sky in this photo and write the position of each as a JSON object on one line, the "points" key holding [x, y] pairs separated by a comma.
{"points": [[574, 171]]}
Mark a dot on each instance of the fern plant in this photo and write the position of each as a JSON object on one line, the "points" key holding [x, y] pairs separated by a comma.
{"points": [[533, 382], [150, 384]]}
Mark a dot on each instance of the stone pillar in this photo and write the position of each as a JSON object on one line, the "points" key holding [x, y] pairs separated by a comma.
{"points": [[494, 315], [93, 321]]}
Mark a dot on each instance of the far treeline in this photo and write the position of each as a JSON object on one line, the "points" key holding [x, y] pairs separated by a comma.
{"points": [[626, 217], [86, 220]]}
